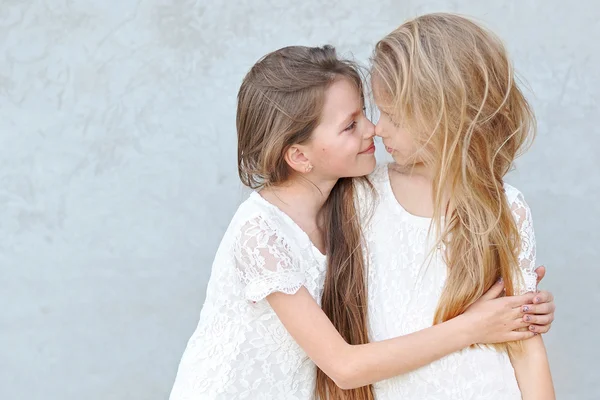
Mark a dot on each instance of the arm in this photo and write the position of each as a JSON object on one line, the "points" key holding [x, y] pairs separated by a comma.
{"points": [[533, 370], [352, 366], [269, 268], [531, 362]]}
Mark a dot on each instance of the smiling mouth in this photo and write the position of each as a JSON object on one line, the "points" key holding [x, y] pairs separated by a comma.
{"points": [[369, 150]]}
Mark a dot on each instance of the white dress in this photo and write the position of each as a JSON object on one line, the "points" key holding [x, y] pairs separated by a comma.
{"points": [[403, 297], [240, 349]]}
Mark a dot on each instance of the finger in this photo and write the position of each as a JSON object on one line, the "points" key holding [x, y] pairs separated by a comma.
{"points": [[541, 272], [545, 319], [541, 329], [516, 301], [539, 309], [527, 309], [537, 329], [517, 312], [519, 323], [514, 336], [494, 291], [543, 296]]}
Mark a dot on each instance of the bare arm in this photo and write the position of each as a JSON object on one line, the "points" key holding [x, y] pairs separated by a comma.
{"points": [[268, 268], [351, 366], [533, 370]]}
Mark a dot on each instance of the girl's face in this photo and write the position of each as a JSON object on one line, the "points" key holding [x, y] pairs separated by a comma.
{"points": [[342, 144], [399, 141]]}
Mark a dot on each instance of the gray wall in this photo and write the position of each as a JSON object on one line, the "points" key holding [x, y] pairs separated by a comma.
{"points": [[118, 176]]}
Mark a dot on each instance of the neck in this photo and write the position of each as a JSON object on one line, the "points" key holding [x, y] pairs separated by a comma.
{"points": [[300, 198], [422, 176], [417, 169]]}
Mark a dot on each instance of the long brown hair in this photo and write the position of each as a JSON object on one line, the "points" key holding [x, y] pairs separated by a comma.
{"points": [[279, 105], [450, 81]]}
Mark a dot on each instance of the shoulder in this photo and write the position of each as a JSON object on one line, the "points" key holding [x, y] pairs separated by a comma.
{"points": [[512, 193], [517, 204], [515, 198], [259, 222]]}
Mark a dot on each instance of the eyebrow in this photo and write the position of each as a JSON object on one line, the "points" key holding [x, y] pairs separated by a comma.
{"points": [[346, 120]]}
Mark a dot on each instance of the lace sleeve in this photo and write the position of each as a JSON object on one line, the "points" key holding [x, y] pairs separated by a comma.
{"points": [[527, 253], [265, 263]]}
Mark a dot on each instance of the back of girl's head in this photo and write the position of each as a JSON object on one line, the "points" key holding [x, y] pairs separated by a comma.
{"points": [[279, 104], [449, 81]]}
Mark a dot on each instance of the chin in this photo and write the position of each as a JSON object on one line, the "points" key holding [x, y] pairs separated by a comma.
{"points": [[363, 167], [368, 166], [398, 159]]}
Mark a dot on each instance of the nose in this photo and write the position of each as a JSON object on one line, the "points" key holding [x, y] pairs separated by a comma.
{"points": [[369, 131], [378, 128]]}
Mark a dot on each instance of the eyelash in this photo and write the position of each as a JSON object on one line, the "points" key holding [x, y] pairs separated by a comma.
{"points": [[351, 126], [396, 124]]}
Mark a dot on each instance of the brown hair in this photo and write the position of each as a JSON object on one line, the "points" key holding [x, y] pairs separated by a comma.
{"points": [[279, 105], [450, 81]]}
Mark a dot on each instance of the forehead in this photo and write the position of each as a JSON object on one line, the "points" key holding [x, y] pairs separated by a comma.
{"points": [[342, 98], [380, 92]]}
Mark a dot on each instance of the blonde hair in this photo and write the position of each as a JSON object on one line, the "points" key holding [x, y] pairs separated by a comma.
{"points": [[451, 82], [280, 104]]}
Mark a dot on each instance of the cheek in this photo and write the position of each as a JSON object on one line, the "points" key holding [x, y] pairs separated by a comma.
{"points": [[339, 153], [402, 139]]}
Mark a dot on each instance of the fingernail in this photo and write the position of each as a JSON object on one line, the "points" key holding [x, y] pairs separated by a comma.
{"points": [[525, 308], [527, 318], [537, 299], [535, 334], [532, 328], [500, 280]]}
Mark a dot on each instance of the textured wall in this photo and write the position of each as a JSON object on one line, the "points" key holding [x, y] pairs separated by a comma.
{"points": [[118, 177]]}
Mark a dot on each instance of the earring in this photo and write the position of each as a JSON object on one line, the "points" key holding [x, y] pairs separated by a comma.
{"points": [[308, 168]]}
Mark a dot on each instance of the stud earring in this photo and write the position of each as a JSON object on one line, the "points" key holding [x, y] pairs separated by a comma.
{"points": [[308, 168]]}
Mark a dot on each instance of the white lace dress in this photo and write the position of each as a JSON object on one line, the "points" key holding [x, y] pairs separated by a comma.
{"points": [[240, 349], [403, 296]]}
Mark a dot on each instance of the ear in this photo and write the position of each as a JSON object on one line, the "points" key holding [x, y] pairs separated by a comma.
{"points": [[297, 159]]}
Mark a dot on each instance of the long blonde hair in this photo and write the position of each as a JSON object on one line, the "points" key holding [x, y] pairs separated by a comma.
{"points": [[451, 82], [280, 104]]}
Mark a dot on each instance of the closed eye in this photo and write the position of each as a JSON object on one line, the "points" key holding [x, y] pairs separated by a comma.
{"points": [[392, 120], [351, 126]]}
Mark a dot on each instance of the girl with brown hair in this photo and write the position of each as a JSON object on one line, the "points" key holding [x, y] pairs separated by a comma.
{"points": [[303, 143]]}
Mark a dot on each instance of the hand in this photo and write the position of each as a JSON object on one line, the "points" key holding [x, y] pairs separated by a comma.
{"points": [[540, 314], [497, 320]]}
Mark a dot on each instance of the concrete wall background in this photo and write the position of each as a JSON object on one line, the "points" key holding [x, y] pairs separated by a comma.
{"points": [[118, 175]]}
